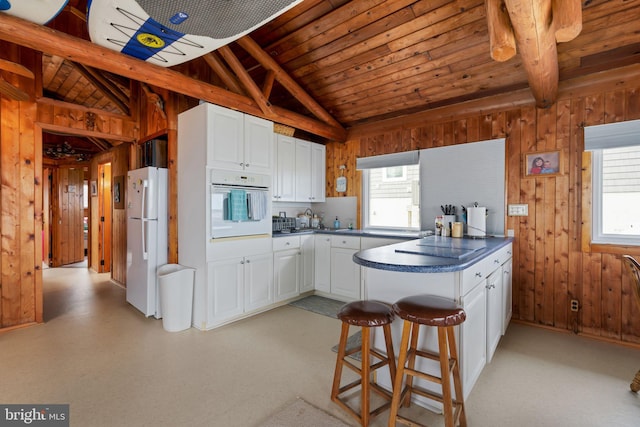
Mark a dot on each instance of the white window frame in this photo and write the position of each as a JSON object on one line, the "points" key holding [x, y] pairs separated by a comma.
{"points": [[383, 161], [596, 139]]}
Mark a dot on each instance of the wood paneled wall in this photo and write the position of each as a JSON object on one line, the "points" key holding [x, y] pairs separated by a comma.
{"points": [[20, 200], [550, 267]]}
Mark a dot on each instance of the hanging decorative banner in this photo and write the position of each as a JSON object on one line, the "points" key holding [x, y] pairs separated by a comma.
{"points": [[170, 32]]}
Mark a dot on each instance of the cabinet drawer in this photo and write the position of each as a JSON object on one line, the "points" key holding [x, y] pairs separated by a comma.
{"points": [[349, 242], [284, 243], [477, 273]]}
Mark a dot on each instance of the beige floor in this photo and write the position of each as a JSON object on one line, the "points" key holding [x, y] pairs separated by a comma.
{"points": [[116, 368]]}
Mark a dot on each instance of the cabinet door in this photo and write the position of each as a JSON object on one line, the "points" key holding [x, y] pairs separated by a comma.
{"points": [[285, 169], [507, 295], [258, 145], [307, 243], [345, 274], [286, 266], [473, 337], [226, 148], [225, 290], [322, 261], [318, 172], [494, 311], [258, 281], [303, 171]]}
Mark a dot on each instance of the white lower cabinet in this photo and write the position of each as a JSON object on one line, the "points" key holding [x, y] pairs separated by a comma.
{"points": [[287, 269], [507, 294], [345, 274], [493, 286], [238, 285], [322, 261], [307, 245], [258, 286], [472, 344]]}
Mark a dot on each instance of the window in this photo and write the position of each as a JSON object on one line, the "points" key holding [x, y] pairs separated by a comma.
{"points": [[391, 191], [615, 166]]}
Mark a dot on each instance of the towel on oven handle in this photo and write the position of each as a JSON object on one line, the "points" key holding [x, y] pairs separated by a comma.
{"points": [[238, 205], [257, 205]]}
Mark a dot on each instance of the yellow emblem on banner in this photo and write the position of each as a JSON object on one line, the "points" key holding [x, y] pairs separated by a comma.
{"points": [[150, 40]]}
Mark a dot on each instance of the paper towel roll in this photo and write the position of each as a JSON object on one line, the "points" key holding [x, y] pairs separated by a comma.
{"points": [[476, 221]]}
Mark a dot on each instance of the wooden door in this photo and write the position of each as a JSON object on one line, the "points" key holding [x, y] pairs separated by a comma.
{"points": [[47, 174], [67, 244], [104, 215]]}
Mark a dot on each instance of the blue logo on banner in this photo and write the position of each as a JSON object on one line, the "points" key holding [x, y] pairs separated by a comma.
{"points": [[178, 18]]}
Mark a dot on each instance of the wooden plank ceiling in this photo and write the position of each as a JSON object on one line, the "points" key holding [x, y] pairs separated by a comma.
{"points": [[362, 61]]}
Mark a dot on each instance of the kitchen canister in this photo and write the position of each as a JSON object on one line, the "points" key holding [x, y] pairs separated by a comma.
{"points": [[456, 229]]}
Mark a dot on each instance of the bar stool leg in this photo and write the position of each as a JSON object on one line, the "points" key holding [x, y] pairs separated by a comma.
{"points": [[391, 357], [411, 363], [445, 373], [342, 346], [397, 383], [453, 351], [366, 373]]}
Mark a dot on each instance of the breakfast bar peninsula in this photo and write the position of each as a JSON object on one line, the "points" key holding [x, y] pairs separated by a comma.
{"points": [[475, 273]]}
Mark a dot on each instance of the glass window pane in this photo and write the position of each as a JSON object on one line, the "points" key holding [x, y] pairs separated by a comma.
{"points": [[393, 197], [621, 191]]}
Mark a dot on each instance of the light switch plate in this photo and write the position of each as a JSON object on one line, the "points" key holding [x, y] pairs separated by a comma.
{"points": [[518, 210]]}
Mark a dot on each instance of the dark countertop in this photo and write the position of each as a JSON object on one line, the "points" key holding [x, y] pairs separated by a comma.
{"points": [[432, 254], [358, 233]]}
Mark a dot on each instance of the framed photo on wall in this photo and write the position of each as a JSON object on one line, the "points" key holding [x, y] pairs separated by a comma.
{"points": [[118, 192], [542, 163], [94, 188]]}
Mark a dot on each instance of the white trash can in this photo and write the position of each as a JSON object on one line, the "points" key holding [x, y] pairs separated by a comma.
{"points": [[176, 296]]}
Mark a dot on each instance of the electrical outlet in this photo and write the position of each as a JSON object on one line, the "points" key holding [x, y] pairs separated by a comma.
{"points": [[575, 305], [518, 210]]}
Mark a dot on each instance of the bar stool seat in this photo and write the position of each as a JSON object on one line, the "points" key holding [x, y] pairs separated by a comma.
{"points": [[443, 314], [367, 315]]}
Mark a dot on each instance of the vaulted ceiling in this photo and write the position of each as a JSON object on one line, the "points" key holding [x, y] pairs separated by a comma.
{"points": [[346, 63]]}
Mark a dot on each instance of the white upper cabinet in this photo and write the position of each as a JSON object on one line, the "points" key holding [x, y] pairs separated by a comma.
{"points": [[238, 141], [318, 172], [300, 170], [258, 142], [284, 185]]}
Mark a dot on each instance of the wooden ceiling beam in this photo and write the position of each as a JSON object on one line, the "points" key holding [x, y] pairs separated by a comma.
{"points": [[535, 37], [228, 79], [12, 92], [15, 68], [567, 19], [103, 84], [502, 41], [246, 80], [286, 80], [28, 34]]}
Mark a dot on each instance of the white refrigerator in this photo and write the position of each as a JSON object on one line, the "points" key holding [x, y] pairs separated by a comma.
{"points": [[147, 245]]}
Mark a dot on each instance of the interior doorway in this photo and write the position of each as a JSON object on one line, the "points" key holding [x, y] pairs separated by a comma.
{"points": [[63, 244], [104, 215]]}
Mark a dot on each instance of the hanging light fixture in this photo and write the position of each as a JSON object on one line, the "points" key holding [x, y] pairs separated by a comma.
{"points": [[65, 151]]}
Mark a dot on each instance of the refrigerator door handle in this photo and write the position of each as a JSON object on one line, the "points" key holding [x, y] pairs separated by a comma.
{"points": [[145, 252], [145, 184]]}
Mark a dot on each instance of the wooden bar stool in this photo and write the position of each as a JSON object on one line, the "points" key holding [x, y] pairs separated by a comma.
{"points": [[366, 314], [443, 314]]}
